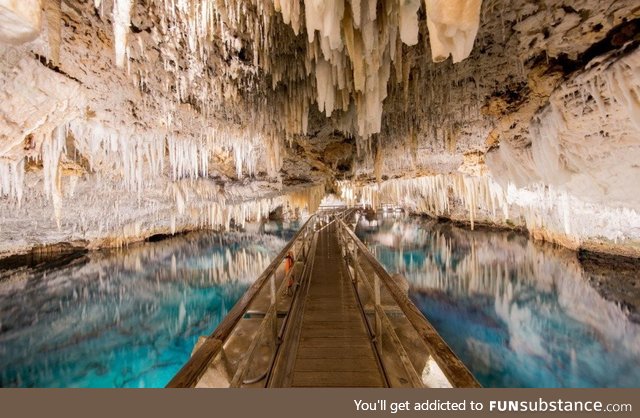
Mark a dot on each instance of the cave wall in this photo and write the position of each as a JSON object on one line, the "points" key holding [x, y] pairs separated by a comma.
{"points": [[125, 118], [537, 131]]}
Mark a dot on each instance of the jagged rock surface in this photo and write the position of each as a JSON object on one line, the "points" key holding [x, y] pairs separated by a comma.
{"points": [[125, 118]]}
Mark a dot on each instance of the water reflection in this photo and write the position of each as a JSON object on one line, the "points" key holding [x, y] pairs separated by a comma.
{"points": [[126, 318], [518, 313]]}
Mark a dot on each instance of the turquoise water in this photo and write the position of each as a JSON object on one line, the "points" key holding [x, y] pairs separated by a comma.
{"points": [[126, 318], [518, 313]]}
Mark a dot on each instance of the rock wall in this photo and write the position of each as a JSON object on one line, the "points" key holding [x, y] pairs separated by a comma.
{"points": [[125, 118]]}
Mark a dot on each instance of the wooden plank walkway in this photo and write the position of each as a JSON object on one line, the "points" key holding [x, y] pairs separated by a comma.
{"points": [[322, 338], [334, 348]]}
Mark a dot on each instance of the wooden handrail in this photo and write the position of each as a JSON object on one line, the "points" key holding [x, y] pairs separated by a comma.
{"points": [[197, 365], [454, 370]]}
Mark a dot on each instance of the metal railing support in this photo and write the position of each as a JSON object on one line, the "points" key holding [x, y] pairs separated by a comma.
{"points": [[454, 370], [197, 365]]}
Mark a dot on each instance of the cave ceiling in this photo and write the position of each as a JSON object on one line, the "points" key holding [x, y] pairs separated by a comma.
{"points": [[262, 97]]}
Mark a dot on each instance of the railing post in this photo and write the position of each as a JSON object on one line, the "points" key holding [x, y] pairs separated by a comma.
{"points": [[274, 303], [274, 295], [355, 266], [376, 291], [303, 251]]}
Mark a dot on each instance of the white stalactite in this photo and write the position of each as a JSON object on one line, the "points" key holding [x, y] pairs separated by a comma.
{"points": [[52, 149], [121, 23], [408, 21], [546, 212], [12, 179], [453, 25]]}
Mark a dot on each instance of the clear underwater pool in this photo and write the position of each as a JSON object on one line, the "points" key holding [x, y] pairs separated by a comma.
{"points": [[518, 313], [124, 318]]}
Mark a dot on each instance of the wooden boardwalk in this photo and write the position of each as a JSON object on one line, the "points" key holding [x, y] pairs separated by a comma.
{"points": [[321, 334], [334, 347]]}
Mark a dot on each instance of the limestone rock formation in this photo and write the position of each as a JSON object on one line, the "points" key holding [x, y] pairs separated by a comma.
{"points": [[125, 118]]}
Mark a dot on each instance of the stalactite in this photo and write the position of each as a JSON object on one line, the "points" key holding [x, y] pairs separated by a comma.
{"points": [[452, 27], [408, 21], [12, 180], [546, 212], [582, 140], [349, 52], [121, 22], [221, 88], [53, 16], [52, 149]]}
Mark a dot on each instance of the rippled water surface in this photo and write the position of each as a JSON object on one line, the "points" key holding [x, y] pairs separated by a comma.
{"points": [[126, 318], [518, 313]]}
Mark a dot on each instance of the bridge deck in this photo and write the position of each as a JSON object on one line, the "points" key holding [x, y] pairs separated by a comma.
{"points": [[334, 348], [320, 336]]}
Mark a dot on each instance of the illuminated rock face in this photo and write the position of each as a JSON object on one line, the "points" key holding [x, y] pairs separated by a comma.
{"points": [[121, 119], [19, 20]]}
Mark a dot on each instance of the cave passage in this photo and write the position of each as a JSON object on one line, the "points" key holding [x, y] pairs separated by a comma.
{"points": [[156, 155]]}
